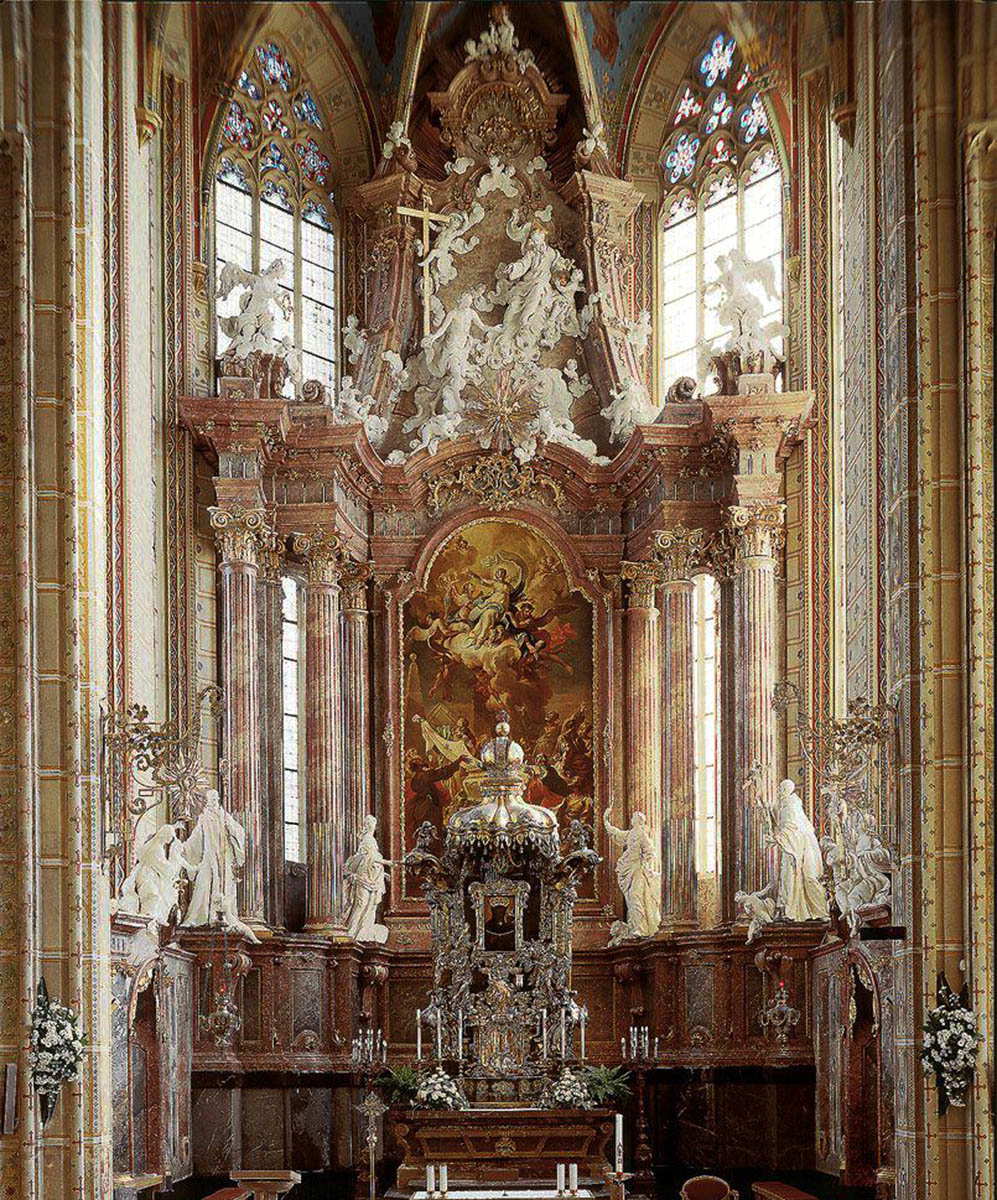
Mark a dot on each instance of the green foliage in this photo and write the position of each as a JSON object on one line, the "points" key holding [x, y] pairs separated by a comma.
{"points": [[400, 1084], [607, 1085]]}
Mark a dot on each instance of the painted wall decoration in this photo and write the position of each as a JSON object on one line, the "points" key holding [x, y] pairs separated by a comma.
{"points": [[496, 626]]}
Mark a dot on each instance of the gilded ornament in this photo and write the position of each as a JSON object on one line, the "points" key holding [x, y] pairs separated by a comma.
{"points": [[238, 531], [322, 551], [498, 481]]}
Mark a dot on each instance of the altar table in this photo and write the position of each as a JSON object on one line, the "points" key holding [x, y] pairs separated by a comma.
{"points": [[495, 1145]]}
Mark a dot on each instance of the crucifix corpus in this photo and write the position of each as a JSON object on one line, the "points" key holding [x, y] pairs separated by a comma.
{"points": [[426, 217]]}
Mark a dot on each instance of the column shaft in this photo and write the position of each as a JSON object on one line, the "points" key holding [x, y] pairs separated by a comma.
{"points": [[643, 694], [356, 703], [679, 823], [271, 746], [759, 529], [240, 675]]}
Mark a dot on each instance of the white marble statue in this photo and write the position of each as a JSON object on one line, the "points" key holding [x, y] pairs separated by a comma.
{"points": [[796, 890], [638, 873], [629, 407], [150, 889], [354, 339], [859, 863], [449, 347], [800, 894], [452, 240], [735, 298], [500, 177], [253, 327], [365, 877], [499, 40], [396, 139], [215, 850]]}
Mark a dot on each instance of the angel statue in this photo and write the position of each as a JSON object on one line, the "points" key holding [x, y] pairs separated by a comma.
{"points": [[150, 889], [639, 876], [448, 349], [451, 240], [366, 879], [751, 344], [253, 327]]}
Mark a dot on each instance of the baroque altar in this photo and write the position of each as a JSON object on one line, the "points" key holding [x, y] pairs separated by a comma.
{"points": [[503, 1019]]}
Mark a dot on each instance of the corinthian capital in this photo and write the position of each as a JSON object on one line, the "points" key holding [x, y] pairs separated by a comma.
{"points": [[354, 583], [759, 528], [644, 578], [322, 551], [681, 552], [238, 531]]}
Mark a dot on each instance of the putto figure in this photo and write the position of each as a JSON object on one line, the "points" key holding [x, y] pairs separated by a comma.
{"points": [[639, 875], [366, 877]]}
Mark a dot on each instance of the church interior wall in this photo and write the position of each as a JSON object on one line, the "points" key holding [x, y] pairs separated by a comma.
{"points": [[884, 591]]}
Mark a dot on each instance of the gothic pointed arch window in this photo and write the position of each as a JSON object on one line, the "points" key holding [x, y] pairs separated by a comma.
{"points": [[273, 200], [722, 190]]}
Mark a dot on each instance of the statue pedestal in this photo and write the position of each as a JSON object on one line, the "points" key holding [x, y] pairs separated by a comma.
{"points": [[502, 1145]]}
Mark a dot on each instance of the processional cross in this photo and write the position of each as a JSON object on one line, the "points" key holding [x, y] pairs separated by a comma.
{"points": [[426, 217]]}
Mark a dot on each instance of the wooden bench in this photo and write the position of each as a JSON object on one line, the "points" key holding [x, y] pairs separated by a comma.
{"points": [[230, 1193], [779, 1191]]}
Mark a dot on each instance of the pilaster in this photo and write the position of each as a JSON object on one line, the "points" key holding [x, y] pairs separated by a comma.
{"points": [[643, 688]]}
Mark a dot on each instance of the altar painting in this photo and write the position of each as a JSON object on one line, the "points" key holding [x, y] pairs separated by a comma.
{"points": [[497, 627]]}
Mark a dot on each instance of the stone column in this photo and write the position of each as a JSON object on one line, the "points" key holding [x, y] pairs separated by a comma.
{"points": [[270, 599], [323, 732], [730, 812], [237, 533], [681, 552], [643, 690], [758, 530], [356, 700]]}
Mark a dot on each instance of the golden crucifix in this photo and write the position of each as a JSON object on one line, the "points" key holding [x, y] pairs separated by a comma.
{"points": [[426, 217]]}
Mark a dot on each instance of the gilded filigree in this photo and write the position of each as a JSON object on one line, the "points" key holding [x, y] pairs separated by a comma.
{"points": [[238, 531], [322, 550], [498, 481]]}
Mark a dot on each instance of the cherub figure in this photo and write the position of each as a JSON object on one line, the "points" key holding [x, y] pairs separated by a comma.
{"points": [[451, 240]]}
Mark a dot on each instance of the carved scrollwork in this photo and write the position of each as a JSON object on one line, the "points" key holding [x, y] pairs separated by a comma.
{"points": [[498, 481], [238, 532]]}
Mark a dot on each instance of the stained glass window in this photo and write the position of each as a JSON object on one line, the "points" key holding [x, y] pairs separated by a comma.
{"points": [[723, 192], [272, 201]]}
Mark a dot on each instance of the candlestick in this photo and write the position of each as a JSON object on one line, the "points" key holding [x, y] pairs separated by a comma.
{"points": [[564, 1033], [439, 1034], [582, 1032], [573, 1179], [460, 1033], [619, 1144], [418, 1034], [430, 1178], [543, 1030], [560, 1179], [623, 1047], [443, 1178], [657, 1041]]}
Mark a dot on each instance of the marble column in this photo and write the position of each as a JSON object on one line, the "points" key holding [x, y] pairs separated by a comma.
{"points": [[237, 534], [758, 531], [324, 845], [643, 689], [729, 823], [356, 700], [270, 600], [681, 552]]}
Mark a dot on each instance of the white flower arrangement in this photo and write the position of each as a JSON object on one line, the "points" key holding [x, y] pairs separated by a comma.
{"points": [[56, 1047], [949, 1046], [437, 1090], [569, 1090]]}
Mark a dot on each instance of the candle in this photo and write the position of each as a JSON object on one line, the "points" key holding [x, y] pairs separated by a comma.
{"points": [[543, 1030], [583, 1035], [418, 1033], [623, 1047], [619, 1144], [443, 1178], [564, 1033], [573, 1179], [560, 1179], [439, 1034], [430, 1178], [657, 1042], [460, 1033]]}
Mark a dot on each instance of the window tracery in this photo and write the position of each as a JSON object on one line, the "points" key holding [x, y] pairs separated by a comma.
{"points": [[272, 199], [723, 192]]}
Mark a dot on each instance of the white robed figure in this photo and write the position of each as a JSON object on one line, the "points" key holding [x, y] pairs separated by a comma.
{"points": [[800, 894], [150, 890], [215, 850], [366, 877], [639, 876]]}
